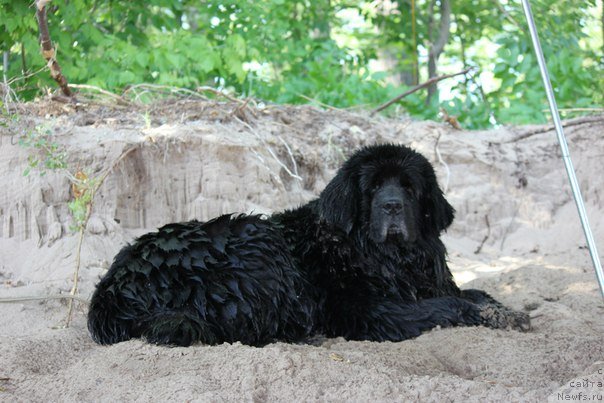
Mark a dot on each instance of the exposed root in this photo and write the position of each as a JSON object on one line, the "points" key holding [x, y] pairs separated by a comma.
{"points": [[568, 123], [486, 219], [271, 152], [443, 163]]}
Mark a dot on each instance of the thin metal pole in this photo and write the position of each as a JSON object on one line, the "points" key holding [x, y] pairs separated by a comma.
{"points": [[563, 146]]}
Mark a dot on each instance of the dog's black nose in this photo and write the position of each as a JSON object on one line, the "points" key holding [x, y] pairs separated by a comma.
{"points": [[392, 207]]}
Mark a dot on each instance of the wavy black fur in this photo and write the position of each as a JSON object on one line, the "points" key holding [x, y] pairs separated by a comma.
{"points": [[306, 271]]}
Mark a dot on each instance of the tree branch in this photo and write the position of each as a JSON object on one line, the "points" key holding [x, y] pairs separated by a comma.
{"points": [[47, 49], [417, 88]]}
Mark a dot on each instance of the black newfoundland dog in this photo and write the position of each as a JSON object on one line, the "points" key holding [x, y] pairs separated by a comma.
{"points": [[363, 261]]}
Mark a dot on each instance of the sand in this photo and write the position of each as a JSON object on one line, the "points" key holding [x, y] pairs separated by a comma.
{"points": [[516, 235]]}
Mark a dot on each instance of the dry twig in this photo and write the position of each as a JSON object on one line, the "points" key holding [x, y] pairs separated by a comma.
{"points": [[158, 88], [45, 298], [25, 76], [240, 110], [119, 99], [220, 93], [331, 108]]}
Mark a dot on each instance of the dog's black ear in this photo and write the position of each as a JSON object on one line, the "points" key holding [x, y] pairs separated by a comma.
{"points": [[338, 201], [438, 213]]}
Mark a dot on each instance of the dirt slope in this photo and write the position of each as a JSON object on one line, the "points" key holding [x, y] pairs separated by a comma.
{"points": [[199, 159]]}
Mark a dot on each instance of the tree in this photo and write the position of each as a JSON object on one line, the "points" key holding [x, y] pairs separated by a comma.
{"points": [[438, 40], [287, 51]]}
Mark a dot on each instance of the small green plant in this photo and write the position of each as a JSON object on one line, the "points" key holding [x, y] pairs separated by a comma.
{"points": [[147, 119], [6, 117], [77, 208], [83, 188], [51, 155]]}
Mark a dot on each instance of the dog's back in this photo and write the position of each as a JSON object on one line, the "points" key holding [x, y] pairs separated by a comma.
{"points": [[230, 279]]}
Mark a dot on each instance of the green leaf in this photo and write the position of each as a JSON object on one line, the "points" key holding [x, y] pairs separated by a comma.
{"points": [[526, 64], [126, 77], [500, 68], [236, 45], [142, 59]]}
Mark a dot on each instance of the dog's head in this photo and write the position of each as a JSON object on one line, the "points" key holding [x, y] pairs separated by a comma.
{"points": [[388, 191]]}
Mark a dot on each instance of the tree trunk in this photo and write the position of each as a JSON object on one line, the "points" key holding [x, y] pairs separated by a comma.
{"points": [[323, 12], [415, 74], [437, 45], [48, 51], [397, 62]]}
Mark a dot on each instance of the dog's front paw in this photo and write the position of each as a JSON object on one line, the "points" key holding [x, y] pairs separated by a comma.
{"points": [[500, 317]]}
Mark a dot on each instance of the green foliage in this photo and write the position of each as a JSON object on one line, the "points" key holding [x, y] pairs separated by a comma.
{"points": [[84, 188], [292, 50], [78, 209], [574, 72], [48, 155]]}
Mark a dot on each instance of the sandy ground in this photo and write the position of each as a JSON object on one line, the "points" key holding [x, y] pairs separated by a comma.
{"points": [[517, 235]]}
